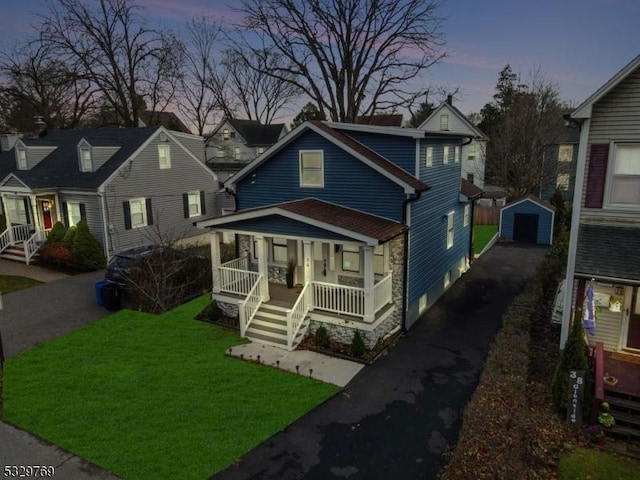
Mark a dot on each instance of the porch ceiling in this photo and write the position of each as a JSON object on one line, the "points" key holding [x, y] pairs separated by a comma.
{"points": [[611, 252], [311, 217]]}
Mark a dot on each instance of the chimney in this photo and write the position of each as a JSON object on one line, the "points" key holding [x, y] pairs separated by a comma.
{"points": [[449, 99], [39, 124]]}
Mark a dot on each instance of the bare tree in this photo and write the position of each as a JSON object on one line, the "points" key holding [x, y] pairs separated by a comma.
{"points": [[108, 42], [352, 57], [531, 123], [38, 84]]}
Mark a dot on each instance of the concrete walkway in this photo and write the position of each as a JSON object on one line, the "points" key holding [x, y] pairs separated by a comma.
{"points": [[7, 267]]}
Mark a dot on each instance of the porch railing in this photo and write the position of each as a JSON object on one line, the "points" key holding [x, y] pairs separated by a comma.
{"points": [[339, 298], [21, 233], [236, 280], [240, 263], [297, 314], [381, 293], [249, 306], [33, 243], [5, 240]]}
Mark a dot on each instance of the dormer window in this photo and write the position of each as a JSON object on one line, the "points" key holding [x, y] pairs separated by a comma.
{"points": [[164, 157], [86, 164], [22, 158], [444, 122]]}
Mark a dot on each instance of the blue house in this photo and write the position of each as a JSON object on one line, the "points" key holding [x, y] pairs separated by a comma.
{"points": [[371, 224]]}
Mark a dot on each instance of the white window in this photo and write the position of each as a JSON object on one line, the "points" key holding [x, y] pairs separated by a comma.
{"points": [[22, 158], [472, 152], [260, 150], [447, 279], [624, 177], [467, 214], [164, 156], [444, 122], [445, 154], [226, 134], [74, 213], [565, 153], [85, 159], [279, 250], [450, 229], [194, 204], [429, 156], [220, 153], [311, 168], [236, 153], [422, 303], [378, 260], [17, 210], [138, 212], [562, 181], [350, 258], [457, 154]]}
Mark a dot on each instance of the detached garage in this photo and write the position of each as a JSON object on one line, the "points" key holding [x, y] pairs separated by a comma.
{"points": [[528, 220]]}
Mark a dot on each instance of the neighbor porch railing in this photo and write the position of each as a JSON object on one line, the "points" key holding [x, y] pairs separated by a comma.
{"points": [[234, 277], [382, 293], [5, 240], [297, 314], [249, 306]]}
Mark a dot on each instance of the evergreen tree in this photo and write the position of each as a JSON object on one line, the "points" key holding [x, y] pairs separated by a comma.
{"points": [[573, 357], [309, 112], [69, 235], [86, 249], [57, 233]]}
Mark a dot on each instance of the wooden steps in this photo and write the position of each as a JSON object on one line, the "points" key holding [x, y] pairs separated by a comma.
{"points": [[625, 408], [15, 252], [269, 326]]}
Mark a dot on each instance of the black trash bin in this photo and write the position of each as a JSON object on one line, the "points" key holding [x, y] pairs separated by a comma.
{"points": [[111, 297]]}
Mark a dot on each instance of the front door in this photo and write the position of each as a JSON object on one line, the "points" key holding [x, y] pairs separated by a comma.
{"points": [[633, 333], [45, 209]]}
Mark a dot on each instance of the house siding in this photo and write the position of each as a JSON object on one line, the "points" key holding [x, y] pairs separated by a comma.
{"points": [[93, 211], [193, 143], [429, 258], [13, 182], [35, 155], [529, 207], [347, 181], [99, 156], [143, 178]]}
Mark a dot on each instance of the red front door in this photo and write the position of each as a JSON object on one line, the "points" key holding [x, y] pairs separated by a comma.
{"points": [[46, 214]]}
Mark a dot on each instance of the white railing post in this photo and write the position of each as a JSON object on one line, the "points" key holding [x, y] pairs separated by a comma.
{"points": [[214, 242], [369, 299]]}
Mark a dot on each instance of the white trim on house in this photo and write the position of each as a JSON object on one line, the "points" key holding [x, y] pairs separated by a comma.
{"points": [[478, 134], [383, 130], [10, 176], [526, 199]]}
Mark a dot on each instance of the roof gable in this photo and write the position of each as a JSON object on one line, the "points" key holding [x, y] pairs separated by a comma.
{"points": [[531, 198], [432, 123]]}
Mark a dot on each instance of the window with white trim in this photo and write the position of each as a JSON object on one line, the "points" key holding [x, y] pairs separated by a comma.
{"points": [[312, 168], [444, 122], [378, 259], [260, 150], [429, 157], [565, 153], [17, 210], [22, 158], [164, 156], [445, 154], [236, 153], [194, 204], [467, 214], [624, 176], [226, 134], [472, 151], [138, 212], [456, 154], [562, 182], [74, 213], [279, 250], [450, 229], [86, 164], [350, 258]]}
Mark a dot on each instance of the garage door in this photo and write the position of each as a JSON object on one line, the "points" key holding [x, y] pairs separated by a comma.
{"points": [[525, 227]]}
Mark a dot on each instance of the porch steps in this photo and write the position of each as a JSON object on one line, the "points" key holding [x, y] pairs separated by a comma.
{"points": [[15, 252], [269, 325], [625, 408]]}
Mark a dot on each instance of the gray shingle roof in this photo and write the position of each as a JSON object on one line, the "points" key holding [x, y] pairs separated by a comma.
{"points": [[60, 168], [256, 134], [606, 251]]}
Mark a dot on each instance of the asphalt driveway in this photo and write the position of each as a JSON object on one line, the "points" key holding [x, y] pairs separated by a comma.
{"points": [[399, 415]]}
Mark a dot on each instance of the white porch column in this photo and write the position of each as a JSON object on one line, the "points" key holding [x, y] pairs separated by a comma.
{"points": [[307, 248], [263, 268], [34, 212], [59, 210], [368, 284], [214, 242], [7, 217]]}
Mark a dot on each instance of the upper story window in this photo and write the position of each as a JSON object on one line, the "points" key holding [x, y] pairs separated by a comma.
{"points": [[429, 161], [193, 204], [565, 153], [624, 176], [472, 152], [164, 156], [450, 229], [456, 153], [312, 168], [220, 153], [86, 164], [444, 122], [22, 158], [445, 154], [236, 153], [562, 182], [260, 150], [226, 134]]}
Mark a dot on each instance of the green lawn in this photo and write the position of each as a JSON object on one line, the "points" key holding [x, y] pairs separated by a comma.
{"points": [[12, 283], [593, 464], [150, 397], [481, 236]]}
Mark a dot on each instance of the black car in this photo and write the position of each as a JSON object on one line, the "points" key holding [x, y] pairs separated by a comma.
{"points": [[120, 264]]}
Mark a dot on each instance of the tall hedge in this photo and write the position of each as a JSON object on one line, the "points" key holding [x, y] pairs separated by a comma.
{"points": [[86, 249]]}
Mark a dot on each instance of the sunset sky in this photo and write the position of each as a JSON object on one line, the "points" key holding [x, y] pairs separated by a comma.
{"points": [[578, 43]]}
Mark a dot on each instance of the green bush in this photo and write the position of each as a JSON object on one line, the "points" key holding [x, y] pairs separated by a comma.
{"points": [[69, 235], [57, 233], [322, 339], [357, 344], [573, 357], [56, 255], [86, 249]]}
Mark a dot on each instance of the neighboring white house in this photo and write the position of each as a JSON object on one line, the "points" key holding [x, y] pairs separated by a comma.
{"points": [[447, 118]]}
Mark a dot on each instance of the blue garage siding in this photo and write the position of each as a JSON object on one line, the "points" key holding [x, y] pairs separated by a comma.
{"points": [[399, 150], [528, 207], [429, 258], [347, 181]]}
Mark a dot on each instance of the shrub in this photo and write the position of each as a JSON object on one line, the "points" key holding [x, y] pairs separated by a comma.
{"points": [[322, 337], [86, 249], [57, 233], [357, 344], [56, 255], [573, 357], [69, 235]]}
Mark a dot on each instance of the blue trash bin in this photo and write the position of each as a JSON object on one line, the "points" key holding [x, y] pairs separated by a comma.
{"points": [[99, 297]]}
